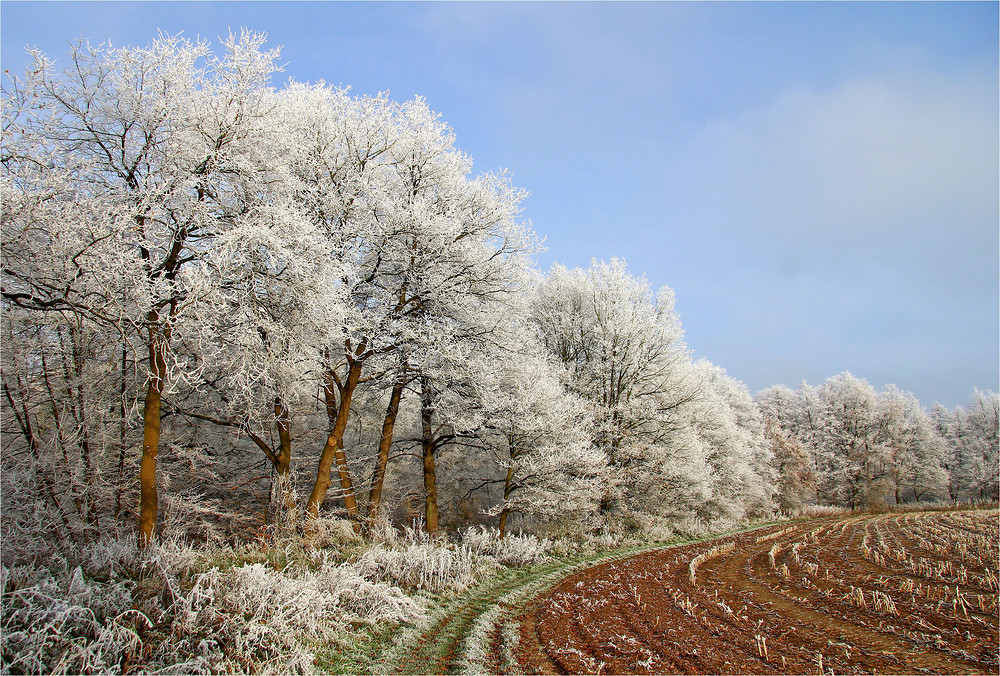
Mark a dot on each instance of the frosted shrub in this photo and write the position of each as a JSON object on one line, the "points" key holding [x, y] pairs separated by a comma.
{"points": [[366, 601], [110, 556], [511, 550], [691, 527], [425, 566], [245, 619], [332, 532], [660, 531], [253, 618], [190, 516], [70, 625]]}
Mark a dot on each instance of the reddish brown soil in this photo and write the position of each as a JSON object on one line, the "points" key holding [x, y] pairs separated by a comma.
{"points": [[888, 594]]}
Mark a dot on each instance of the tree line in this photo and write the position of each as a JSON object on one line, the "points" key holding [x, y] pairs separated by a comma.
{"points": [[227, 304], [843, 443]]}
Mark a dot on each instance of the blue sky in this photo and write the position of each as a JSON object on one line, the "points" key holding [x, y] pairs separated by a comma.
{"points": [[818, 182]]}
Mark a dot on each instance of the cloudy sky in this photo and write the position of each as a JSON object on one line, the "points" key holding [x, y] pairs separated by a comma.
{"points": [[818, 182]]}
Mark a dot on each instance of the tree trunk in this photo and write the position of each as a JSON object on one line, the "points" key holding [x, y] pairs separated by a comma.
{"points": [[282, 421], [329, 396], [385, 444], [427, 446], [122, 433], [151, 431], [334, 451], [90, 472], [283, 493], [507, 486]]}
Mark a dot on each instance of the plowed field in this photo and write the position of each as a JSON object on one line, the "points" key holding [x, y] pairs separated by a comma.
{"points": [[891, 594]]}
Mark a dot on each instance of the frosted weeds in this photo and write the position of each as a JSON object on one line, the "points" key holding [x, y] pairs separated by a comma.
{"points": [[112, 607], [247, 618], [421, 565], [68, 625], [511, 550], [253, 617]]}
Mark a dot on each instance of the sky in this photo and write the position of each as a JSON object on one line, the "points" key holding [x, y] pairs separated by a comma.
{"points": [[817, 182]]}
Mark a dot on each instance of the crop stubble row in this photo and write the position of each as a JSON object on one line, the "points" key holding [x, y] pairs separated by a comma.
{"points": [[890, 593]]}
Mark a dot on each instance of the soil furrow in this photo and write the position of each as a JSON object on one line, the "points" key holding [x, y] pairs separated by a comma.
{"points": [[788, 599]]}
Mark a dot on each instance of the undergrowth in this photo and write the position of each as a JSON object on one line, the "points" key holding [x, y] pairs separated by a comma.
{"points": [[276, 605], [334, 603]]}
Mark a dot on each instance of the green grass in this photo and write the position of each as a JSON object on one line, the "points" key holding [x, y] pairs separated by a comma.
{"points": [[356, 652]]}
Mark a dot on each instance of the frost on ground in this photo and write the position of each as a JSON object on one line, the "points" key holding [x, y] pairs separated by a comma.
{"points": [[112, 607]]}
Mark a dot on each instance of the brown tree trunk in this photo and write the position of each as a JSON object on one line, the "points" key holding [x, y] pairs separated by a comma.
{"points": [[427, 447], [151, 430], [284, 492], [282, 422], [330, 396], [385, 445], [334, 451]]}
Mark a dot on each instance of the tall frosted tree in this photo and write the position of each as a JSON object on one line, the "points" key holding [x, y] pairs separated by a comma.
{"points": [[540, 456], [622, 347], [427, 252], [981, 437], [916, 452], [731, 431], [122, 173]]}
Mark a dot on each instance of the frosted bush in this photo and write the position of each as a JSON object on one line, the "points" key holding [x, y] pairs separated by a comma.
{"points": [[245, 619], [190, 516], [331, 531], [691, 527], [659, 531], [511, 550], [70, 625], [110, 556], [416, 533], [602, 542], [428, 566], [369, 602], [253, 618]]}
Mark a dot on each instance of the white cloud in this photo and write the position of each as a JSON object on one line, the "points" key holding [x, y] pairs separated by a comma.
{"points": [[866, 219], [871, 156]]}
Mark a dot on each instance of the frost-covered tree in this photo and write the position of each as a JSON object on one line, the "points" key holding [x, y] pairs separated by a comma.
{"points": [[981, 437], [536, 435], [851, 432], [949, 426], [796, 481], [970, 435], [732, 432], [622, 349], [794, 423], [863, 446], [915, 450], [621, 343], [240, 247], [121, 174], [423, 245]]}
